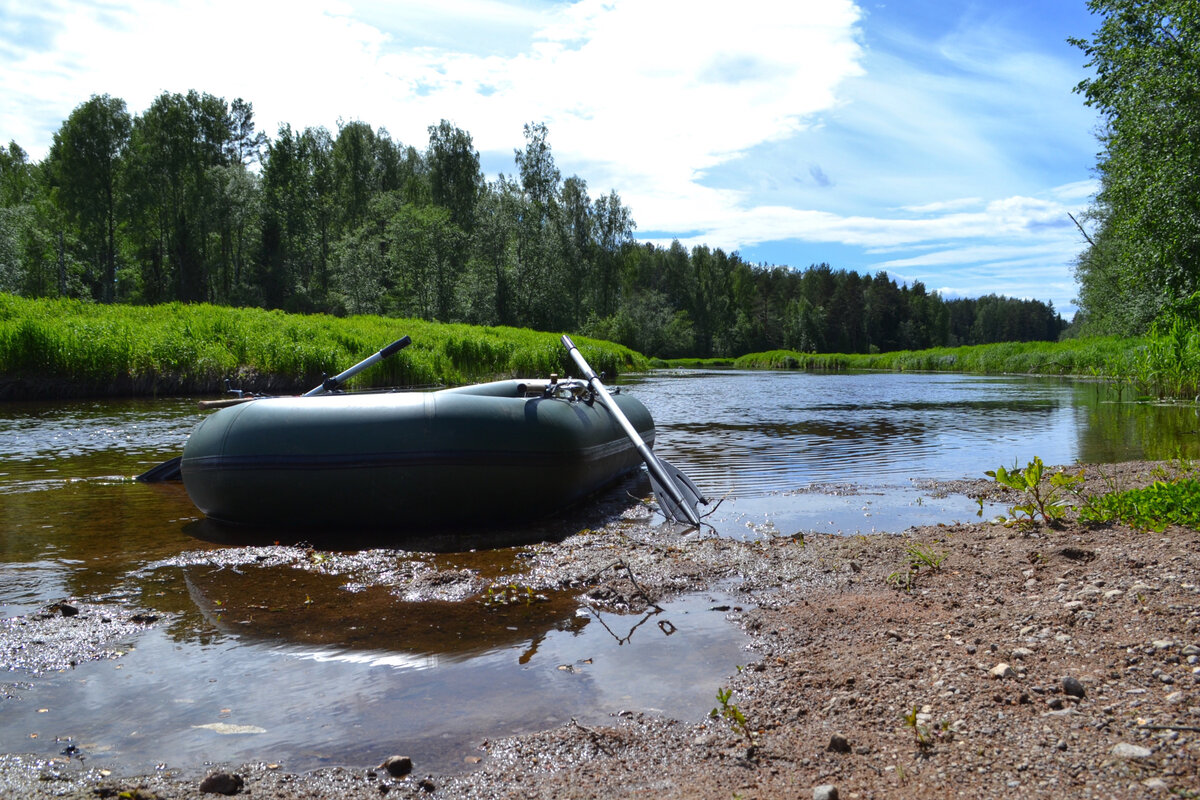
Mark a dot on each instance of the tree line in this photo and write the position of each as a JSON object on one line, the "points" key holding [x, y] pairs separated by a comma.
{"points": [[189, 202]]}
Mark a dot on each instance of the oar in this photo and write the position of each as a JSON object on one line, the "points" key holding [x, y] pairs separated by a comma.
{"points": [[336, 381], [677, 495], [172, 469]]}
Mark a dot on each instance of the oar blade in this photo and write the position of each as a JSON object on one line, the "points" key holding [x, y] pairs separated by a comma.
{"points": [[169, 470], [678, 505], [690, 491]]}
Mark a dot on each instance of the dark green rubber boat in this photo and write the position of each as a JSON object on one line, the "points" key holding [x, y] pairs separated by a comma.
{"points": [[491, 453]]}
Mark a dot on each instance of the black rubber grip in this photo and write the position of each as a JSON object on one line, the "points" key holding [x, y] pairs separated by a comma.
{"points": [[395, 346]]}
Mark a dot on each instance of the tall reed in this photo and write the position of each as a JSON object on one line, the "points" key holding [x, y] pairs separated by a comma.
{"points": [[69, 348]]}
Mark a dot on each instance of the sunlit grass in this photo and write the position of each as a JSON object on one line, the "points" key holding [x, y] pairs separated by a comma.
{"points": [[73, 348]]}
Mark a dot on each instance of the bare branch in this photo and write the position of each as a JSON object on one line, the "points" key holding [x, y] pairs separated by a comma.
{"points": [[1081, 230]]}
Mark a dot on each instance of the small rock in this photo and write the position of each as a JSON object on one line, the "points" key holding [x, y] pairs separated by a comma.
{"points": [[397, 766], [826, 791], [1126, 750], [222, 783], [894, 635], [1175, 698], [1191, 650], [426, 785], [1002, 670], [1021, 653], [1055, 703], [1073, 688], [1162, 644], [67, 610], [838, 744], [1155, 784], [1073, 605]]}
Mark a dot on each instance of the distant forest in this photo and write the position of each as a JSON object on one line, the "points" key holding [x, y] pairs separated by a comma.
{"points": [[188, 202]]}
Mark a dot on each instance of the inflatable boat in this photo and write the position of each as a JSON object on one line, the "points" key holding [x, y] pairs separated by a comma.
{"points": [[490, 453]]}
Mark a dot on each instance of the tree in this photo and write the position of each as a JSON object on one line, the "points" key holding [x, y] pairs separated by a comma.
{"points": [[455, 179], [85, 162], [171, 194], [1145, 253]]}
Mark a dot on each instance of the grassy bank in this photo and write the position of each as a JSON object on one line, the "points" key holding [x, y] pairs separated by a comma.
{"points": [[66, 348], [1072, 357], [1165, 364]]}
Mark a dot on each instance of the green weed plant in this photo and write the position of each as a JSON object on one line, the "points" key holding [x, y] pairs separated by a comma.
{"points": [[729, 711], [1044, 500], [1152, 508]]}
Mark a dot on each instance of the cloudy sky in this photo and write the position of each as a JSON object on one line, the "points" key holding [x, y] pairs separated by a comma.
{"points": [[938, 140]]}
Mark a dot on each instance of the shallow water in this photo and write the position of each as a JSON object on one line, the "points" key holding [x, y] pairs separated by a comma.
{"points": [[767, 440], [285, 666]]}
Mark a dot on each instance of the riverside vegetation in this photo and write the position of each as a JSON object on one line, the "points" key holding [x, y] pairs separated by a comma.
{"points": [[60, 347]]}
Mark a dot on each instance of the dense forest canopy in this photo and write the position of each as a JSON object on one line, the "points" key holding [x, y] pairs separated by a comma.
{"points": [[1143, 262], [188, 202]]}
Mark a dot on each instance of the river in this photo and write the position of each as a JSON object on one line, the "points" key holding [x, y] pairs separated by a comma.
{"points": [[779, 453]]}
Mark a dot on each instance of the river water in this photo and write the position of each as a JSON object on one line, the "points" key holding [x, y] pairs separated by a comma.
{"points": [[781, 452]]}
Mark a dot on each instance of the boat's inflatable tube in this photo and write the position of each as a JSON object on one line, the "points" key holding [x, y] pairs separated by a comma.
{"points": [[491, 453]]}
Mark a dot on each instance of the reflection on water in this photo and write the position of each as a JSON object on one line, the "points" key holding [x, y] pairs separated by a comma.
{"points": [[312, 673]]}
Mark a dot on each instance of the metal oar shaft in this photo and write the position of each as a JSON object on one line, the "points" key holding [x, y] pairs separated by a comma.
{"points": [[337, 380], [661, 478]]}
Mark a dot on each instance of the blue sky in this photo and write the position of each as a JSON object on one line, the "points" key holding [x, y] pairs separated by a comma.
{"points": [[934, 139]]}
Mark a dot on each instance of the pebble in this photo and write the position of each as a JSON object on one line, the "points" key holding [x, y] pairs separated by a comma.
{"points": [[1021, 653], [826, 791], [1073, 605], [1191, 650], [1126, 750], [1002, 670], [221, 783], [1162, 644], [1156, 784], [838, 744], [1072, 687], [397, 766]]}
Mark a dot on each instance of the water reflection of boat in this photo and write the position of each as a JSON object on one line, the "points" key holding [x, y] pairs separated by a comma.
{"points": [[315, 613], [498, 451]]}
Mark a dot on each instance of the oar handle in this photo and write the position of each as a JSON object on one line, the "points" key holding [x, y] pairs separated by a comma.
{"points": [[337, 380]]}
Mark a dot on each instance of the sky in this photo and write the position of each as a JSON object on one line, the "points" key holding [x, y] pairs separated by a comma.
{"points": [[940, 141]]}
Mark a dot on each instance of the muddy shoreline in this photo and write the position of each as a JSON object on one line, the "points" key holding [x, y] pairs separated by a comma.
{"points": [[1042, 662]]}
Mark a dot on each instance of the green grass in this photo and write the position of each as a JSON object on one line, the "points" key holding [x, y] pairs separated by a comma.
{"points": [[68, 348], [1163, 365], [1071, 357]]}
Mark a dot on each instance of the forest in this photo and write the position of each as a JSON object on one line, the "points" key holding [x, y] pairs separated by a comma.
{"points": [[188, 202]]}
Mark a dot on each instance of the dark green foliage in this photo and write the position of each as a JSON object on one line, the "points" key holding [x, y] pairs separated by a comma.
{"points": [[1153, 508], [1145, 252]]}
